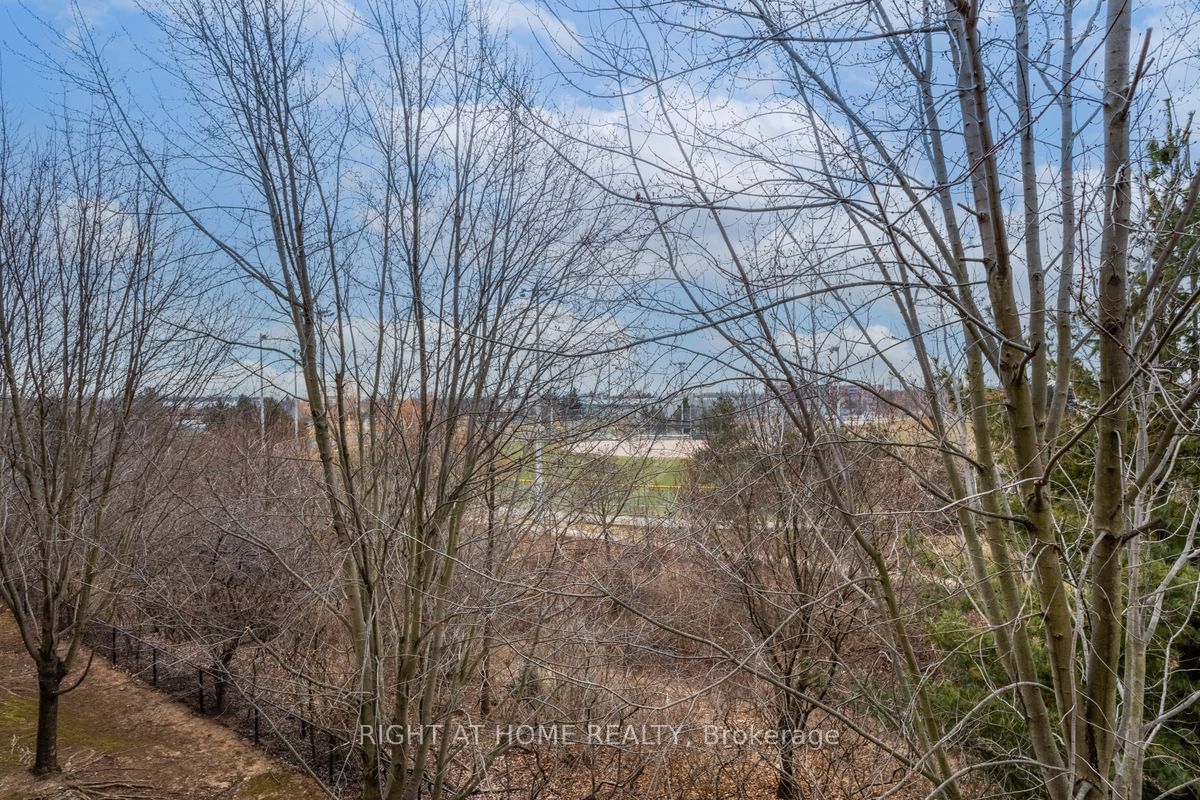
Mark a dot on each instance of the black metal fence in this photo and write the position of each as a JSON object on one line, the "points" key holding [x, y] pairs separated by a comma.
{"points": [[329, 755]]}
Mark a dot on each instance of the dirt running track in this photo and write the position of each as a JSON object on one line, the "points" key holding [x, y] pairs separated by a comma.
{"points": [[121, 740]]}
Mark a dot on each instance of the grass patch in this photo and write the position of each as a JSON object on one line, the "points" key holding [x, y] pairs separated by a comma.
{"points": [[79, 728], [637, 484], [655, 471], [271, 786], [18, 716]]}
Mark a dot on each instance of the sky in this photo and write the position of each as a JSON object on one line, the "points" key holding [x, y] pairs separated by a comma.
{"points": [[559, 44]]}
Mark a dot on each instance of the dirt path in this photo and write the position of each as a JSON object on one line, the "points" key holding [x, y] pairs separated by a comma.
{"points": [[120, 739]]}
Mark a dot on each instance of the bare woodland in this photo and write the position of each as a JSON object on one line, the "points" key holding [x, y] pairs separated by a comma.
{"points": [[938, 260]]}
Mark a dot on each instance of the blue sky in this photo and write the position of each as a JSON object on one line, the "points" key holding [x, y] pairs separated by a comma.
{"points": [[33, 33]]}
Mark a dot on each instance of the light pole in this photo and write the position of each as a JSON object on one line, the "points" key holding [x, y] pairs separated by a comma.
{"points": [[262, 393], [532, 294], [537, 456], [296, 398], [680, 365], [322, 315]]}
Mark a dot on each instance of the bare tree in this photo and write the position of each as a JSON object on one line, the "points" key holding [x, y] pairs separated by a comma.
{"points": [[100, 322], [909, 231], [796, 579], [436, 264], [210, 580], [813, 172]]}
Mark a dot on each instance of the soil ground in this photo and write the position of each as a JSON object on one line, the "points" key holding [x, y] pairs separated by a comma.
{"points": [[121, 740]]}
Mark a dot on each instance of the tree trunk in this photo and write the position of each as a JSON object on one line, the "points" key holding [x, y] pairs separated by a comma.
{"points": [[221, 678], [787, 788], [50, 679], [219, 693], [1095, 742]]}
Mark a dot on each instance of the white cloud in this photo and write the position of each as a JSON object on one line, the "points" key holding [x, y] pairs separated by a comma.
{"points": [[866, 352]]}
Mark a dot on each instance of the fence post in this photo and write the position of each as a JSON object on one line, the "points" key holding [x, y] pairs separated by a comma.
{"points": [[307, 728]]}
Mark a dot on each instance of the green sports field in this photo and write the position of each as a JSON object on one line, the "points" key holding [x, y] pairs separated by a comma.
{"points": [[612, 485]]}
